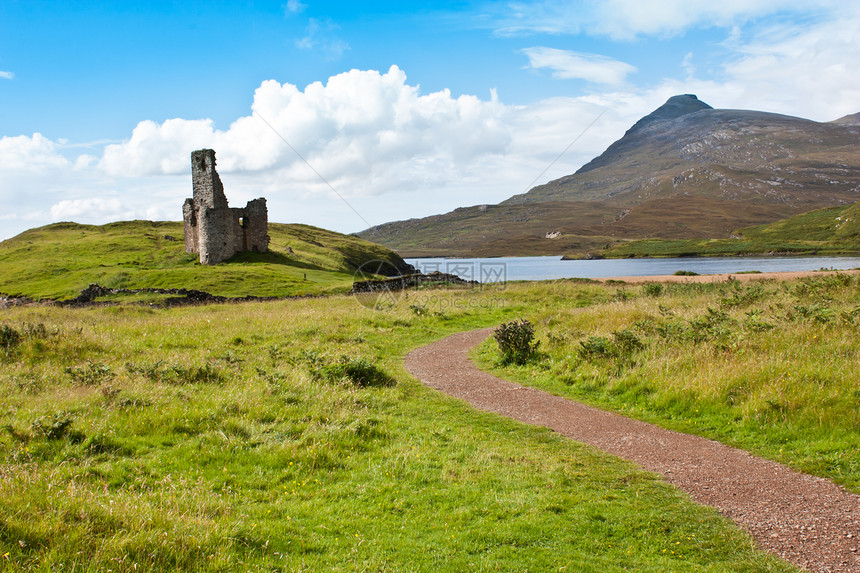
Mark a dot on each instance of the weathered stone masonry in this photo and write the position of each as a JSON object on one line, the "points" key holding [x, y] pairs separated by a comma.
{"points": [[212, 228]]}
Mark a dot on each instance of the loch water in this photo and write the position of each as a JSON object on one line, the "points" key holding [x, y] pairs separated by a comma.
{"points": [[502, 269]]}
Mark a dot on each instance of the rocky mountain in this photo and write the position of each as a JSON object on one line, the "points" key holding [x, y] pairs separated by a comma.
{"points": [[685, 170], [853, 119]]}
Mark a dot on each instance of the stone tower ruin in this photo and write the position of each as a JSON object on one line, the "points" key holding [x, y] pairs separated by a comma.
{"points": [[212, 228]]}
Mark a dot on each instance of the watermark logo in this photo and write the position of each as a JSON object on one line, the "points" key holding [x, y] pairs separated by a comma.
{"points": [[485, 273], [494, 273], [377, 292], [374, 292]]}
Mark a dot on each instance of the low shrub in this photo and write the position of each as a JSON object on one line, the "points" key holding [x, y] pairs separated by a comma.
{"points": [[715, 326], [361, 372], [357, 371], [516, 341], [419, 309], [92, 374], [627, 341], [54, 428], [176, 374], [9, 337], [595, 347], [740, 297], [621, 347], [37, 330], [652, 289]]}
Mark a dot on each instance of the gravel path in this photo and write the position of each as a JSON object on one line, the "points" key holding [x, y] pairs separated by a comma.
{"points": [[806, 520]]}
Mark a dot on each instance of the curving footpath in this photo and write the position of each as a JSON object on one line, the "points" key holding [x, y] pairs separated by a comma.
{"points": [[806, 520]]}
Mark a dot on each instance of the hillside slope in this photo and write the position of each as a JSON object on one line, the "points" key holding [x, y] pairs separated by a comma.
{"points": [[58, 261], [684, 171], [831, 231]]}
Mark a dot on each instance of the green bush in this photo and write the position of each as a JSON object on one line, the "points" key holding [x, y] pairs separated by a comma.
{"points": [[176, 374], [9, 337], [627, 342], [621, 347], [652, 289], [741, 297], [516, 341], [36, 331], [90, 375], [358, 371], [53, 428], [419, 309], [595, 347], [362, 372]]}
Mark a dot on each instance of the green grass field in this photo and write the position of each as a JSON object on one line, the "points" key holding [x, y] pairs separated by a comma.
{"points": [[60, 260], [769, 367], [287, 436]]}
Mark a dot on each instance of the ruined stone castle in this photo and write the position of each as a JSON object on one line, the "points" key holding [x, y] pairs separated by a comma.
{"points": [[212, 228]]}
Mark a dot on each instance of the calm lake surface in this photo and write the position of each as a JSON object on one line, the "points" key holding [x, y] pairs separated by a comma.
{"points": [[546, 268]]}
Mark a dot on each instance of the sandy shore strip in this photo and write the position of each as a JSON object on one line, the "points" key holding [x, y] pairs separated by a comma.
{"points": [[780, 276]]}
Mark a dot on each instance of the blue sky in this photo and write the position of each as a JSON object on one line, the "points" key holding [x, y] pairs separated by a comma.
{"points": [[400, 109]]}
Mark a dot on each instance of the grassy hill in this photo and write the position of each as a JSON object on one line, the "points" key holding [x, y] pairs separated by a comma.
{"points": [[58, 261], [824, 231]]}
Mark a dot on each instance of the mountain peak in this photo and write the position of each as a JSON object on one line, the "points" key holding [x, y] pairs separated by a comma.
{"points": [[675, 107], [685, 171]]}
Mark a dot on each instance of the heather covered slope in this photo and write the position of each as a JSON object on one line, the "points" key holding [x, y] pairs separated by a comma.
{"points": [[58, 261], [684, 171], [831, 231]]}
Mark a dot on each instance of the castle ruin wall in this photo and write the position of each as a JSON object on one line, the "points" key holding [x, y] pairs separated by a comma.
{"points": [[213, 229]]}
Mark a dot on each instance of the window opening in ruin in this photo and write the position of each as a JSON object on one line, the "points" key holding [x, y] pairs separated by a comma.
{"points": [[243, 222]]}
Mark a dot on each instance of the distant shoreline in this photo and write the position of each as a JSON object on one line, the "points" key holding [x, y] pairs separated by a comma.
{"points": [[722, 277]]}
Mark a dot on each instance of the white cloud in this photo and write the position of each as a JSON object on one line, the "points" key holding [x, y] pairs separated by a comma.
{"points": [[688, 66], [800, 69], [294, 7], [92, 208], [363, 131], [799, 61], [627, 19], [576, 65], [322, 36], [84, 161], [390, 150], [39, 185], [158, 148], [6, 75], [32, 153]]}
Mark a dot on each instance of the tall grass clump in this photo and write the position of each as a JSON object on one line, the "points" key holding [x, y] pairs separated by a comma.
{"points": [[359, 371], [9, 337], [652, 289]]}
